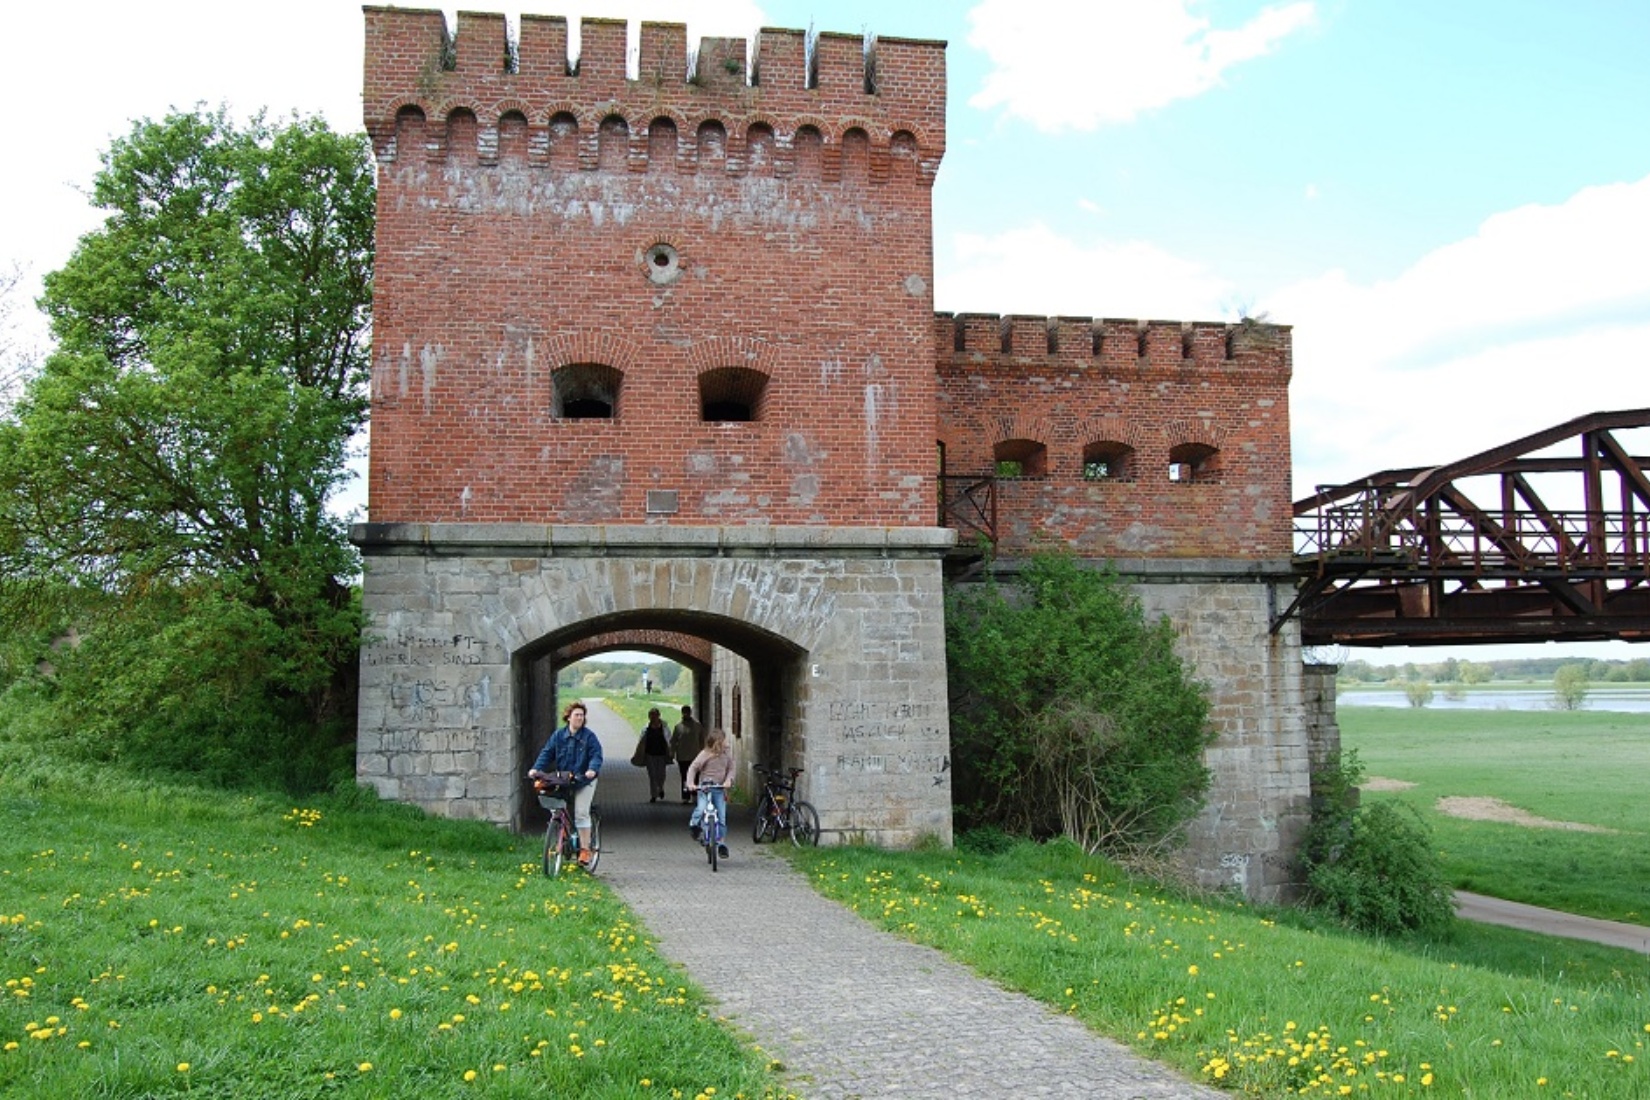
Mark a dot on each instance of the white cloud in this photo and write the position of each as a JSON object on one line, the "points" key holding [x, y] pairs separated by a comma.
{"points": [[1112, 59], [1541, 316], [1035, 270]]}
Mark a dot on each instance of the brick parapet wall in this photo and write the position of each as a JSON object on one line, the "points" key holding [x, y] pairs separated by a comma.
{"points": [[1069, 383], [411, 62]]}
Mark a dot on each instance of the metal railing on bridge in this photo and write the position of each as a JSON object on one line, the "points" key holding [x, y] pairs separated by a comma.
{"points": [[1415, 556]]}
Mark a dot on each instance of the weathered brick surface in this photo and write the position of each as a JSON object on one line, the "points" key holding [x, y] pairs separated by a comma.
{"points": [[1128, 389], [515, 214]]}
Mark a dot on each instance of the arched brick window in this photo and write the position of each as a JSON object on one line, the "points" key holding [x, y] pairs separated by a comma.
{"points": [[512, 137], [613, 143], [713, 144], [661, 145], [1020, 458], [731, 394], [1108, 460], [1193, 462], [585, 391]]}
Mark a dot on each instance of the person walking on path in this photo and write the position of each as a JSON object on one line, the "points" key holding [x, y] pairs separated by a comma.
{"points": [[714, 764], [656, 753], [574, 749], [685, 742]]}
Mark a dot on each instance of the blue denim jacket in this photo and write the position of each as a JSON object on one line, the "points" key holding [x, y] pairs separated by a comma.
{"points": [[567, 752]]}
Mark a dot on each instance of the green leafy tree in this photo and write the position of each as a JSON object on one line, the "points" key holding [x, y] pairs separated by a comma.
{"points": [[1372, 867], [1070, 714], [1570, 686], [1418, 692], [166, 474], [1473, 673]]}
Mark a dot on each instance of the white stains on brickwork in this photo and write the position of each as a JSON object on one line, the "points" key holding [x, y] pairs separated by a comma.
{"points": [[429, 358], [464, 501], [1142, 538], [916, 286], [830, 371]]}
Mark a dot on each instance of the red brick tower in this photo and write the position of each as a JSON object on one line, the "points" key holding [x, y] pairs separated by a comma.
{"points": [[689, 298]]}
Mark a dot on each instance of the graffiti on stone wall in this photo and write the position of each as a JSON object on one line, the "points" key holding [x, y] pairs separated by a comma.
{"points": [[860, 721], [434, 689], [407, 649], [897, 763]]}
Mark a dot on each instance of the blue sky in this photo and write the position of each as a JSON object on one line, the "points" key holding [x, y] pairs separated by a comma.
{"points": [[1449, 201]]}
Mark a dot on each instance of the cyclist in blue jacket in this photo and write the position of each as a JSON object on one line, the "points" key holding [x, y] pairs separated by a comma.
{"points": [[575, 749]]}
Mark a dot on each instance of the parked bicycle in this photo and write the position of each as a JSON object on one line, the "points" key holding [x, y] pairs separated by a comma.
{"points": [[780, 813], [561, 837], [713, 831]]}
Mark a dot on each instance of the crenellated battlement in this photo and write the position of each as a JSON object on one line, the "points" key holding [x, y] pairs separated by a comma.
{"points": [[1111, 344], [476, 94]]}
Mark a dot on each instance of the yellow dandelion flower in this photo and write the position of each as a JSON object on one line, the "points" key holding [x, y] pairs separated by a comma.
{"points": [[469, 1075], [365, 1067], [183, 1067], [395, 1013]]}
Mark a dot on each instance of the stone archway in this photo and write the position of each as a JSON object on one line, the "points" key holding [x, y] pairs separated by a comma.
{"points": [[769, 664], [847, 627]]}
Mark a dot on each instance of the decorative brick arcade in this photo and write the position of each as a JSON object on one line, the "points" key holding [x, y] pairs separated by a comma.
{"points": [[657, 358]]}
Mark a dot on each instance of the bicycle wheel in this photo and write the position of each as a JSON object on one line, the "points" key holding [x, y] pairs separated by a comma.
{"points": [[556, 854], [595, 840], [763, 827], [551, 846], [804, 824]]}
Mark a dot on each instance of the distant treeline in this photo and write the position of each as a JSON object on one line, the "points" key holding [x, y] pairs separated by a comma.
{"points": [[1452, 670], [657, 677]]}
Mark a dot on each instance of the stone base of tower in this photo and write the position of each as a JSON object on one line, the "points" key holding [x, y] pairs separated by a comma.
{"points": [[840, 631]]}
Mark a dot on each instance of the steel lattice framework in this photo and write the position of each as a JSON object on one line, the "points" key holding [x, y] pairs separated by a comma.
{"points": [[1546, 537]]}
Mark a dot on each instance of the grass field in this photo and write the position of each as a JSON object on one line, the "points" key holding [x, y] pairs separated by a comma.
{"points": [[1262, 1003], [160, 942], [1583, 767]]}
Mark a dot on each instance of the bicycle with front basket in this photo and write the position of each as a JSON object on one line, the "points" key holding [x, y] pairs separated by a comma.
{"points": [[780, 813], [561, 836]]}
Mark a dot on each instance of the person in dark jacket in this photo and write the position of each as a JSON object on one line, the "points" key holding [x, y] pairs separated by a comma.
{"points": [[656, 751], [574, 749], [685, 742]]}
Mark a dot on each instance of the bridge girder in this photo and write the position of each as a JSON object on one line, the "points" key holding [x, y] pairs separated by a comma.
{"points": [[1516, 543]]}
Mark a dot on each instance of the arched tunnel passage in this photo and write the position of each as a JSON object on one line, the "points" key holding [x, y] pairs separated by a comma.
{"points": [[746, 679]]}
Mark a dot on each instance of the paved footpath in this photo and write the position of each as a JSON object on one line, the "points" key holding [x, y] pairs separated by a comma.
{"points": [[851, 1011]]}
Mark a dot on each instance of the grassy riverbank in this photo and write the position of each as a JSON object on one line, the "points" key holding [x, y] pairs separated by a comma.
{"points": [[178, 941], [1576, 768]]}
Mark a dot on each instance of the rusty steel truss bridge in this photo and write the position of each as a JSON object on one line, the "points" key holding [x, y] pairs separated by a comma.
{"points": [[1543, 538]]}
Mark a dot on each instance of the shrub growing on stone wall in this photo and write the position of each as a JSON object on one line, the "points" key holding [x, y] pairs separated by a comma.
{"points": [[1070, 714], [1373, 868]]}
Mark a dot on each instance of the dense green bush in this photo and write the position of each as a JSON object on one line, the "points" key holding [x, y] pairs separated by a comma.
{"points": [[1372, 867], [1070, 714]]}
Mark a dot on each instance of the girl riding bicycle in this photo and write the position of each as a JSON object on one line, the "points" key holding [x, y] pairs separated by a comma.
{"points": [[714, 764], [574, 748]]}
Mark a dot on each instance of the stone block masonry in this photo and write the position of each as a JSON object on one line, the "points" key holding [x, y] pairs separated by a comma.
{"points": [[857, 640]]}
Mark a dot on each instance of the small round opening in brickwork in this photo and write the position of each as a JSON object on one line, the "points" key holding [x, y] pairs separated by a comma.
{"points": [[662, 263]]}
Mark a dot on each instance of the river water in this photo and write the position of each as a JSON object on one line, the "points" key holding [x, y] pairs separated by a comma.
{"points": [[1626, 700]]}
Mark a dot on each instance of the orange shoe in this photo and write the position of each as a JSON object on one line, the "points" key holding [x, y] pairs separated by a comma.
{"points": [[585, 856]]}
